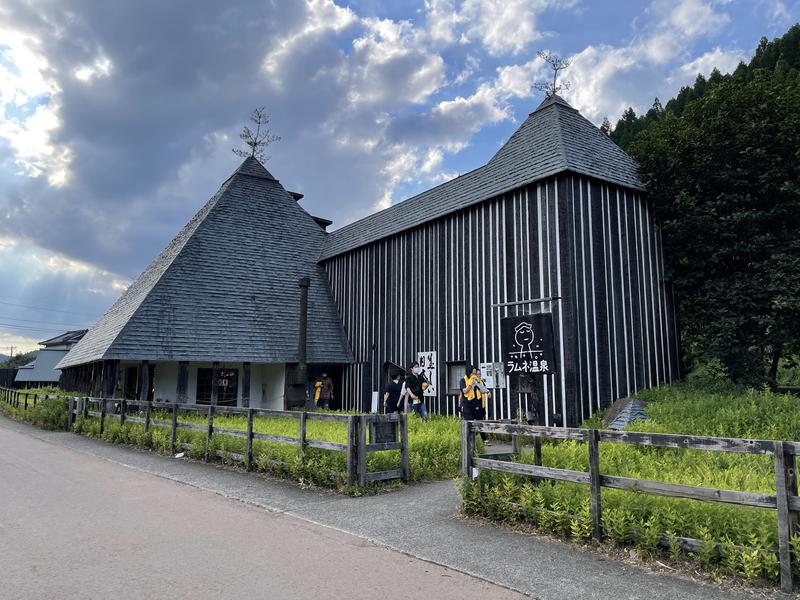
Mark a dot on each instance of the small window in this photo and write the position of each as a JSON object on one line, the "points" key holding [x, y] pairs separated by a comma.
{"points": [[227, 386], [455, 373]]}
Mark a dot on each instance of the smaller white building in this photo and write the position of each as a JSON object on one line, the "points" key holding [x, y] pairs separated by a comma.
{"points": [[41, 371]]}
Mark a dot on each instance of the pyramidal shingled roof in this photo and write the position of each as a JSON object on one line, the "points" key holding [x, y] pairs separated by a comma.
{"points": [[226, 288], [554, 138]]}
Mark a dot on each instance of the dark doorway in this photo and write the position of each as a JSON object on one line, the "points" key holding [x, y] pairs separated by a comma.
{"points": [[227, 386], [130, 386], [335, 373]]}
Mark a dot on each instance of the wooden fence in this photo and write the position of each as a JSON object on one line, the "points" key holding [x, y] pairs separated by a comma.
{"points": [[785, 500], [365, 433]]}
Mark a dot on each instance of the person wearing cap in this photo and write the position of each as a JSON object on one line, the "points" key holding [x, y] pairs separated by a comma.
{"points": [[415, 386]]}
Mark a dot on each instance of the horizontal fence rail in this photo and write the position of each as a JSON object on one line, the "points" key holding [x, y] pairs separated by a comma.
{"points": [[363, 431], [785, 500]]}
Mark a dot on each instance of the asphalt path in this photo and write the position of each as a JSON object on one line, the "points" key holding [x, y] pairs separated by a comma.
{"points": [[80, 512], [76, 526]]}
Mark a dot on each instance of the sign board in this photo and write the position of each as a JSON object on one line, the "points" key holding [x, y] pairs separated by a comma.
{"points": [[493, 375], [383, 433], [528, 345], [427, 361]]}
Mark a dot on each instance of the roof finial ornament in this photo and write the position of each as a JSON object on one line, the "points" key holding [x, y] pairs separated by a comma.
{"points": [[557, 64], [259, 140]]}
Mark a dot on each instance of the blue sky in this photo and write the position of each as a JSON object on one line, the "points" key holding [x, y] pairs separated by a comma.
{"points": [[118, 119]]}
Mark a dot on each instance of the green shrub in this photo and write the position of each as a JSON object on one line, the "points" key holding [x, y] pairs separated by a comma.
{"points": [[742, 541]]}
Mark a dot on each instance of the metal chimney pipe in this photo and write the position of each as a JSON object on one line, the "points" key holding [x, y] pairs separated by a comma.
{"points": [[304, 283]]}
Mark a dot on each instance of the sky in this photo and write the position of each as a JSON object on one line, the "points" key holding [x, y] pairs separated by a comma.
{"points": [[117, 119]]}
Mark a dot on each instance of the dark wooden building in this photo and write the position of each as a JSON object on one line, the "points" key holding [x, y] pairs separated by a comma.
{"points": [[555, 222], [559, 213]]}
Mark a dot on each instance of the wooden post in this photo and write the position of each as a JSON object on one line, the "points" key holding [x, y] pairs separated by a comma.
{"points": [[302, 443], [214, 383], [102, 415], [25, 405], [70, 412], [182, 393], [467, 448], [123, 408], [515, 444], [594, 483], [174, 434], [249, 455], [785, 486], [147, 418], [144, 384], [351, 450], [362, 450], [209, 432], [404, 455], [85, 407], [246, 385]]}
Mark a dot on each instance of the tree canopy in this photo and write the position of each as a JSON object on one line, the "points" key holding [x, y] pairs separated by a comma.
{"points": [[722, 165]]}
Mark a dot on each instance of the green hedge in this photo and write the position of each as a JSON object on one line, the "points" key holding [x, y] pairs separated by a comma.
{"points": [[434, 446], [50, 414], [736, 540]]}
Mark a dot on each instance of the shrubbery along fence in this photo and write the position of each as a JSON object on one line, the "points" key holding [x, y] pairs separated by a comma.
{"points": [[365, 433], [785, 500]]}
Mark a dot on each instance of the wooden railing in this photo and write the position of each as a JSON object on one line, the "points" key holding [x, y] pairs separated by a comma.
{"points": [[363, 431], [785, 500]]}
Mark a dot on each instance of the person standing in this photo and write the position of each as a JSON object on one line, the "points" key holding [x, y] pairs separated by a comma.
{"points": [[473, 398], [415, 389], [391, 397], [323, 391]]}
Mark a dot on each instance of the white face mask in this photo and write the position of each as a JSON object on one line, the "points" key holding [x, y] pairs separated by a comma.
{"points": [[416, 370]]}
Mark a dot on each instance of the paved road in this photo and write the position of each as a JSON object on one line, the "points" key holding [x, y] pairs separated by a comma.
{"points": [[418, 521], [76, 526]]}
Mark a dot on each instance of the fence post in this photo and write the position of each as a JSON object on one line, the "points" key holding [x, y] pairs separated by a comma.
{"points": [[351, 450], [70, 412], [302, 443], [249, 453], [404, 455], [594, 483], [362, 450], [26, 402], [785, 486], [467, 448], [86, 407], [103, 415], [174, 434], [123, 408], [147, 417], [210, 430]]}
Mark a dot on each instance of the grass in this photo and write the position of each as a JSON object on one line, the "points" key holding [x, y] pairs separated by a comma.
{"points": [[50, 414], [735, 540]]}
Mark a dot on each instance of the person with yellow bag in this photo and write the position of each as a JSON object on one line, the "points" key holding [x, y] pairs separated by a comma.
{"points": [[473, 398], [323, 391]]}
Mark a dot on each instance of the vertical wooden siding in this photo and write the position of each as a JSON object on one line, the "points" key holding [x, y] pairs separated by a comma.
{"points": [[433, 287]]}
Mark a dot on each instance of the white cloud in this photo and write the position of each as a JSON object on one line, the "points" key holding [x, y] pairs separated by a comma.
{"points": [[607, 79], [29, 110], [723, 60], [99, 68]]}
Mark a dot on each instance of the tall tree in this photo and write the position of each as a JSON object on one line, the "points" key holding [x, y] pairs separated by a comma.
{"points": [[724, 177]]}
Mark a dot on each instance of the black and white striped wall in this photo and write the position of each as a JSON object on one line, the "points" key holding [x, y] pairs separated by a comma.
{"points": [[435, 287]]}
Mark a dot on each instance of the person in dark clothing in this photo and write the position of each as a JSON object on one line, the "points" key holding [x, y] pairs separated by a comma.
{"points": [[414, 390], [323, 391], [473, 398], [391, 398]]}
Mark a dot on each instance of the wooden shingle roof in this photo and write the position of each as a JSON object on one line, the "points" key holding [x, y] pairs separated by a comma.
{"points": [[226, 288], [554, 138]]}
